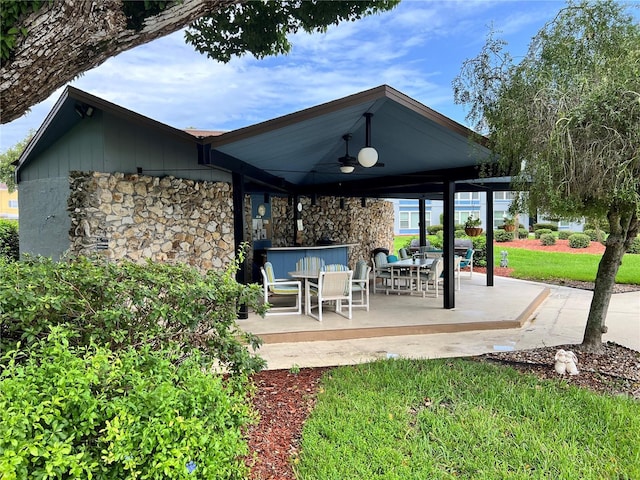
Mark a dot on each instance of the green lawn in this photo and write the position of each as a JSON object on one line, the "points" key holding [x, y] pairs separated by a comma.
{"points": [[540, 266], [456, 418]]}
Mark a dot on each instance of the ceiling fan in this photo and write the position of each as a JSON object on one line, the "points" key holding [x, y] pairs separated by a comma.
{"points": [[348, 163]]}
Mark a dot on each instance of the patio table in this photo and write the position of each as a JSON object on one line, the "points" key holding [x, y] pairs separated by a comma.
{"points": [[413, 267], [306, 276]]}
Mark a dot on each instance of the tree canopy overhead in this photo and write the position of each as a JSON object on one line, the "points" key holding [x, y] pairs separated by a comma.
{"points": [[46, 44], [566, 122]]}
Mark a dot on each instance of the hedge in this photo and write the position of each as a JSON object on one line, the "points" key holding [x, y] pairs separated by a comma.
{"points": [[89, 412], [9, 244]]}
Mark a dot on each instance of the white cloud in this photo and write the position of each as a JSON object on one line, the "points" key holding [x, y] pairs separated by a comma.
{"points": [[416, 48]]}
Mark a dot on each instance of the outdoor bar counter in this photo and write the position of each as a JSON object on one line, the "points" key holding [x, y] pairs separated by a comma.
{"points": [[284, 259]]}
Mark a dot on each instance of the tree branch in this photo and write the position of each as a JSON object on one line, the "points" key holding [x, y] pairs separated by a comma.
{"points": [[67, 38]]}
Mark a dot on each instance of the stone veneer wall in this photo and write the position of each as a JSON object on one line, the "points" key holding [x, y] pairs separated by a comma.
{"points": [[138, 217], [370, 226]]}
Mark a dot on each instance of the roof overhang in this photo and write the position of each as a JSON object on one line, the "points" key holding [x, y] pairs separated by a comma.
{"points": [[298, 153]]}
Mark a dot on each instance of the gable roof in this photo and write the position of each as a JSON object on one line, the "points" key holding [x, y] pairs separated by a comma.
{"points": [[66, 113], [298, 153]]}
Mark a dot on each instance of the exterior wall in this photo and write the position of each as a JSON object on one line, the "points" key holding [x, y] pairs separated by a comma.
{"points": [[138, 217], [102, 143], [8, 203], [44, 220], [105, 143]]}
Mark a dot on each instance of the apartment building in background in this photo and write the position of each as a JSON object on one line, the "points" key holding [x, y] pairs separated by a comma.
{"points": [[8, 203], [407, 217]]}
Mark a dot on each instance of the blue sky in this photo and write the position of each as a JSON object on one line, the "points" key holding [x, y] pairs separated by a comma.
{"points": [[417, 48]]}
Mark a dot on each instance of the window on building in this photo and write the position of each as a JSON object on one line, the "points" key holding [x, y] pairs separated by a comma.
{"points": [[461, 215], [467, 196], [13, 203], [498, 217], [404, 220], [503, 195], [410, 220]]}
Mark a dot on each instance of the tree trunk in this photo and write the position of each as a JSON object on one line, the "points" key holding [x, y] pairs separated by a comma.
{"points": [[67, 38], [624, 228]]}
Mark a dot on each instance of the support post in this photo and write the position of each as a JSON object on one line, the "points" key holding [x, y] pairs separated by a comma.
{"points": [[448, 246], [421, 222], [238, 233], [489, 237]]}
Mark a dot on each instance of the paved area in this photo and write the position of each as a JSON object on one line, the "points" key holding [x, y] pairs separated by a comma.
{"points": [[513, 314]]}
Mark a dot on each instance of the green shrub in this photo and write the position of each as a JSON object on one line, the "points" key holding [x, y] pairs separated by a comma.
{"points": [[602, 224], [9, 244], [437, 241], [434, 229], [480, 250], [542, 231], [635, 246], [523, 233], [123, 304], [579, 240], [460, 233], [89, 412], [564, 234], [547, 239], [502, 236], [595, 235], [549, 226], [407, 243]]}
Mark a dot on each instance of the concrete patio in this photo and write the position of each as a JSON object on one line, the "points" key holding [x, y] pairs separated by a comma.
{"points": [[514, 314]]}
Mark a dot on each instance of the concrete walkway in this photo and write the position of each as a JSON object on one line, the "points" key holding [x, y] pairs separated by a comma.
{"points": [[513, 314]]}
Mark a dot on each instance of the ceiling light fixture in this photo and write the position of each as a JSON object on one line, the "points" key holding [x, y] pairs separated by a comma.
{"points": [[368, 156], [347, 163]]}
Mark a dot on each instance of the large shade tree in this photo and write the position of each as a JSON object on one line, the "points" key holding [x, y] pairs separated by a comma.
{"points": [[45, 44], [565, 122]]}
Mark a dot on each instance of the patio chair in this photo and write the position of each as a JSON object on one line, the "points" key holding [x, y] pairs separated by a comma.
{"points": [[280, 287], [403, 254], [331, 286], [414, 246], [467, 261], [433, 276], [380, 272], [309, 264], [334, 267], [360, 284]]}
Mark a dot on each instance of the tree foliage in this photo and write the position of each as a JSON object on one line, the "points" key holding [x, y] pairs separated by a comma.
{"points": [[565, 122], [47, 44], [261, 28], [125, 304], [7, 169]]}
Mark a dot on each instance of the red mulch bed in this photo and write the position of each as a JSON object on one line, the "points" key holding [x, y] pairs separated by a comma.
{"points": [[285, 399], [560, 246]]}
